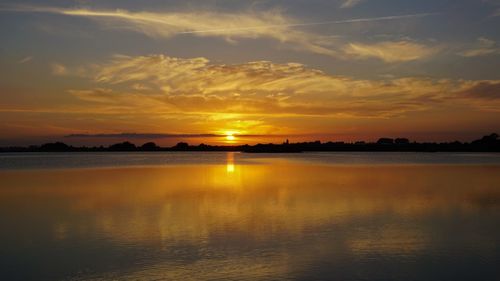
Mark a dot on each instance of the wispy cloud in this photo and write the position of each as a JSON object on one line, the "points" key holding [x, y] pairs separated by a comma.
{"points": [[25, 60], [487, 90], [350, 3], [258, 88], [483, 47], [231, 26], [58, 69], [356, 20], [399, 51]]}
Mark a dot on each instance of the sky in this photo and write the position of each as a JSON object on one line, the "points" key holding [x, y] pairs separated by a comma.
{"points": [[94, 72]]}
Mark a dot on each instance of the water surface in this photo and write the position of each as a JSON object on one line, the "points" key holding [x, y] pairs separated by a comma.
{"points": [[230, 216], [65, 160]]}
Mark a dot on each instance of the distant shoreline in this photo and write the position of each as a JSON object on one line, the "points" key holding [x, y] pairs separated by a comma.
{"points": [[490, 143]]}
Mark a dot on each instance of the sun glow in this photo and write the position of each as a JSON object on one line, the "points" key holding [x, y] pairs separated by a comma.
{"points": [[230, 136]]}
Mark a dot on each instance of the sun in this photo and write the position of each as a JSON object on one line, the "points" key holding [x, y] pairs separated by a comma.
{"points": [[230, 136]]}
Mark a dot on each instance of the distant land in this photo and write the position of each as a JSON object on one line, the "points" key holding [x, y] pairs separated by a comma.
{"points": [[490, 143]]}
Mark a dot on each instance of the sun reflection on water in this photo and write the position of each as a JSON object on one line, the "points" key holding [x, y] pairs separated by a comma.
{"points": [[230, 162]]}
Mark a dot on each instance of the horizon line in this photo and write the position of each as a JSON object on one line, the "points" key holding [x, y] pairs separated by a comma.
{"points": [[235, 143]]}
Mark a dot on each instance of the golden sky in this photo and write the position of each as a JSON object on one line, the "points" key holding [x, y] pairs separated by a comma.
{"points": [[260, 71]]}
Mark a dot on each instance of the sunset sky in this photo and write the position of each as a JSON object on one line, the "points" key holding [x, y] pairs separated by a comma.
{"points": [[99, 71]]}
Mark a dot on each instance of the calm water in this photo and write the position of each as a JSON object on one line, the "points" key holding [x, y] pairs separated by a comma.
{"points": [[120, 159], [233, 216]]}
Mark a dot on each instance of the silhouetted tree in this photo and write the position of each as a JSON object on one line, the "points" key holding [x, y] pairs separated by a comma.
{"points": [[181, 146], [488, 140], [402, 141], [150, 146], [124, 146], [385, 141], [56, 147]]}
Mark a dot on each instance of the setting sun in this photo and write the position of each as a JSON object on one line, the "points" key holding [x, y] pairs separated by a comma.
{"points": [[230, 136]]}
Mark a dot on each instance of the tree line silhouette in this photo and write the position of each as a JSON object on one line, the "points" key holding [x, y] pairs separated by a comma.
{"points": [[489, 143]]}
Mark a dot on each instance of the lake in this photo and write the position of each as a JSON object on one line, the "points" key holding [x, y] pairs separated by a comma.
{"points": [[237, 216]]}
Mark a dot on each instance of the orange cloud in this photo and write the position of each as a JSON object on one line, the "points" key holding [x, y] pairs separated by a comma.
{"points": [[260, 88]]}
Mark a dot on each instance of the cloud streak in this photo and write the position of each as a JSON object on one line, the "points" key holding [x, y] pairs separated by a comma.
{"points": [[158, 136], [398, 51], [230, 26], [483, 47], [25, 60], [58, 69], [357, 20], [350, 3], [142, 136]]}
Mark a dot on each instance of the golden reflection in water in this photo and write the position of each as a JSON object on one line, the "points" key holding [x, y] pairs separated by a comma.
{"points": [[290, 197], [178, 205], [230, 162]]}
